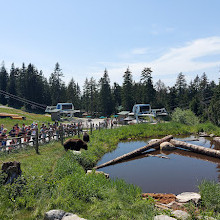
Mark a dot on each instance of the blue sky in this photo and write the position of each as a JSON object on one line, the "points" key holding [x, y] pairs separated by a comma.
{"points": [[87, 36]]}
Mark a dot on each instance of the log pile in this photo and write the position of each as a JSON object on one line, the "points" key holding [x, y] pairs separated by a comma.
{"points": [[156, 145]]}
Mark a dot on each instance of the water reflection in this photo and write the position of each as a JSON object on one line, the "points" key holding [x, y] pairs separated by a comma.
{"points": [[183, 172]]}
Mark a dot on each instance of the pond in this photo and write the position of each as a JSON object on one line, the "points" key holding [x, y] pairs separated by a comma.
{"points": [[178, 171]]}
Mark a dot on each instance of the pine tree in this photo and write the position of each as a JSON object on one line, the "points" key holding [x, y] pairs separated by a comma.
{"points": [[149, 92], [214, 107], [56, 85], [161, 94], [106, 103], [3, 83], [127, 91], [117, 93], [12, 86]]}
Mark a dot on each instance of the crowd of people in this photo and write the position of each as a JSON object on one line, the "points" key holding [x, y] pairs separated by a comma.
{"points": [[25, 133]]}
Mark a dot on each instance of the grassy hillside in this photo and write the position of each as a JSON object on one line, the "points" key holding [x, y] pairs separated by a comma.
{"points": [[30, 117]]}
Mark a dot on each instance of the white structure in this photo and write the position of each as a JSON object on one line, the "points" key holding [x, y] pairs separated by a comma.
{"points": [[66, 109], [141, 111]]}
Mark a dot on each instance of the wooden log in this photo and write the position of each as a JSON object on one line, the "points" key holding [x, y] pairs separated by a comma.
{"points": [[135, 152], [196, 148]]}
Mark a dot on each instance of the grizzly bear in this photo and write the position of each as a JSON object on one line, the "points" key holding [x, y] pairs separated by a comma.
{"points": [[75, 144]]}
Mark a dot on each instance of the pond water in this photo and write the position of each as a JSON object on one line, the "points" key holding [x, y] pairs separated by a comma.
{"points": [[182, 172]]}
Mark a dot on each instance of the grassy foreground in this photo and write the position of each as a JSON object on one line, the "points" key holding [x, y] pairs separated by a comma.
{"points": [[56, 179]]}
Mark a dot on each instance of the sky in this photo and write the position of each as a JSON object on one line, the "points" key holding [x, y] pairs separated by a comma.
{"points": [[87, 36]]}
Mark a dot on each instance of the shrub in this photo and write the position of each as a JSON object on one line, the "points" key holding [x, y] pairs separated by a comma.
{"points": [[210, 193], [185, 117]]}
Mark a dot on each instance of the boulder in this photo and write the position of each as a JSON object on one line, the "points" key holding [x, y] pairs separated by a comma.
{"points": [[163, 217], [55, 214], [71, 216], [188, 196], [98, 172], [75, 144], [167, 146], [217, 139], [13, 171], [180, 214]]}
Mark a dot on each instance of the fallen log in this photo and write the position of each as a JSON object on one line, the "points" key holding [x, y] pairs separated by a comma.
{"points": [[135, 152], [196, 148]]}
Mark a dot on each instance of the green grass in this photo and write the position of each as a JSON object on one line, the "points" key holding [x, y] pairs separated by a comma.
{"points": [[56, 179], [30, 118]]}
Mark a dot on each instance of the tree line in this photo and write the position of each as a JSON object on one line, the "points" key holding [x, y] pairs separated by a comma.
{"points": [[99, 97]]}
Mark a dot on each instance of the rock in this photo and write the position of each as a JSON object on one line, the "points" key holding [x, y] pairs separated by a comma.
{"points": [[163, 217], [211, 135], [55, 214], [180, 214], [167, 146], [76, 152], [98, 172], [217, 139], [188, 196], [72, 217], [175, 205], [13, 171]]}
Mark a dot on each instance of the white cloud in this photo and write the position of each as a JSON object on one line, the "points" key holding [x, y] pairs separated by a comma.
{"points": [[181, 59]]}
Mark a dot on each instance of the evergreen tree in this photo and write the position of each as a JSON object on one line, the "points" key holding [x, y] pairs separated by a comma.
{"points": [[127, 91], [181, 88], [3, 83], [161, 94], [149, 92], [106, 103], [214, 107], [85, 97], [117, 93], [12, 86], [56, 85]]}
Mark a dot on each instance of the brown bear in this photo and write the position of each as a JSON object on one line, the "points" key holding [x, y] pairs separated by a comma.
{"points": [[75, 144]]}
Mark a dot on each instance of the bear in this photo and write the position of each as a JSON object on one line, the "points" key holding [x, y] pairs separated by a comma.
{"points": [[75, 144], [85, 137]]}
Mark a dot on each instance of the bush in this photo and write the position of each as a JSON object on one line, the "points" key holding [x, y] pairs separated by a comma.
{"points": [[185, 117], [210, 193]]}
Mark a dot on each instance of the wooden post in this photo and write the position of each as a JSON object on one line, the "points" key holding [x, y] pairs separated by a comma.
{"points": [[90, 128], [61, 134], [37, 143], [99, 126], [135, 152], [78, 131], [196, 148]]}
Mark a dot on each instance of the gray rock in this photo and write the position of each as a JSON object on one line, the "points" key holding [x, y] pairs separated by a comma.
{"points": [[98, 172], [163, 217], [55, 214], [187, 197], [180, 214], [72, 217], [167, 146]]}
